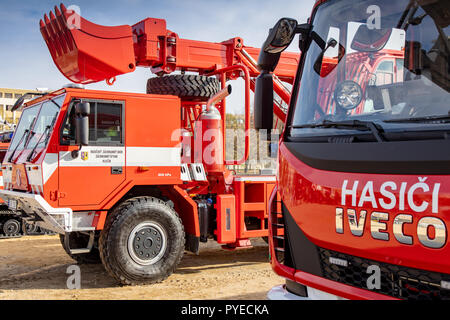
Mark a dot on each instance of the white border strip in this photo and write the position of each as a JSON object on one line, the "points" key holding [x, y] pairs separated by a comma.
{"points": [[256, 179], [153, 157], [134, 157]]}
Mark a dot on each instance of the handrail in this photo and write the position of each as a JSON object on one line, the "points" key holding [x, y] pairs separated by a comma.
{"points": [[247, 110]]}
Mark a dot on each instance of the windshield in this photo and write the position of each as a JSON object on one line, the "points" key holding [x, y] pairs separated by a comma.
{"points": [[26, 120], [381, 61], [35, 119], [47, 116]]}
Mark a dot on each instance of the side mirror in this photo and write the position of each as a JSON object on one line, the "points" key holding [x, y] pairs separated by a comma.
{"points": [[263, 108], [21, 100], [18, 103], [82, 110], [279, 38]]}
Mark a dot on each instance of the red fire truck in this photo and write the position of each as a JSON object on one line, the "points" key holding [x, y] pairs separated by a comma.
{"points": [[135, 179], [362, 210]]}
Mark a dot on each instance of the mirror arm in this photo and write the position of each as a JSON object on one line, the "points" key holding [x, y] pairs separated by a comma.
{"points": [[318, 39], [82, 111], [305, 32], [303, 29], [75, 153]]}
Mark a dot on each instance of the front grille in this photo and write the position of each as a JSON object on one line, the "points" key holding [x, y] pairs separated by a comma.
{"points": [[277, 221], [395, 281]]}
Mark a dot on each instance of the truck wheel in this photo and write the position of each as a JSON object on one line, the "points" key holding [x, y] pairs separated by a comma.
{"points": [[11, 227], [142, 242], [80, 240], [191, 87]]}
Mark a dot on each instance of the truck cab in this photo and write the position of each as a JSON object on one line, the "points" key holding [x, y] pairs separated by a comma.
{"points": [[47, 163], [363, 193], [78, 154]]}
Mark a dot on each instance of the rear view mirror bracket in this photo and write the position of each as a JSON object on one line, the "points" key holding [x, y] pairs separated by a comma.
{"points": [[304, 32], [82, 111]]}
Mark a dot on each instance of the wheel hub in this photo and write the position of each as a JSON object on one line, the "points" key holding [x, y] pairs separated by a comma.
{"points": [[11, 227], [147, 243], [30, 228]]}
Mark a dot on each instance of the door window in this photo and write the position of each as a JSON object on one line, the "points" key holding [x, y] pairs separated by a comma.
{"points": [[105, 124], [385, 73]]}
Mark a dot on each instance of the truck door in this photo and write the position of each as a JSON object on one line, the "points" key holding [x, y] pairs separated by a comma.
{"points": [[89, 176]]}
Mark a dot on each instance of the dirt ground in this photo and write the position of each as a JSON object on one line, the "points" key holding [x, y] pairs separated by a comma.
{"points": [[35, 268]]}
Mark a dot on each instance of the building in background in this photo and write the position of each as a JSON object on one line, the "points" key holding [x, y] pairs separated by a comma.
{"points": [[7, 99]]}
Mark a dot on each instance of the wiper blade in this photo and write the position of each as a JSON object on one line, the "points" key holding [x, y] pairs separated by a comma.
{"points": [[25, 133], [430, 119], [352, 124], [46, 134], [30, 156]]}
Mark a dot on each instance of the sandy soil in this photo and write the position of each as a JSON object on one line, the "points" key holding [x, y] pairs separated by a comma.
{"points": [[35, 268]]}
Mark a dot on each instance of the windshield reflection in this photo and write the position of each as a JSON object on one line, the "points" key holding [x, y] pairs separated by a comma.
{"points": [[376, 68]]}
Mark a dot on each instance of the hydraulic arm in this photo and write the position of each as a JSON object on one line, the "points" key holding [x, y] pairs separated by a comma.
{"points": [[85, 52]]}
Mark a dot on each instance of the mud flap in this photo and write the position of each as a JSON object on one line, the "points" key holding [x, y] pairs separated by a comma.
{"points": [[188, 212], [192, 244]]}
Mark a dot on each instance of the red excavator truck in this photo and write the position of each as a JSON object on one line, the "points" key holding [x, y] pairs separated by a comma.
{"points": [[130, 179], [363, 205]]}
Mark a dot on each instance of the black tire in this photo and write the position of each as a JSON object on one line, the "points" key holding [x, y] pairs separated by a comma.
{"points": [[80, 240], [163, 244], [11, 227], [190, 87]]}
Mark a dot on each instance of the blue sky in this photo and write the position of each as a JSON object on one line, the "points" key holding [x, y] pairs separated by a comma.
{"points": [[26, 63]]}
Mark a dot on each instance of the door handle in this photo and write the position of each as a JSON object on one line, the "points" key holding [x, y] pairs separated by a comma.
{"points": [[116, 170]]}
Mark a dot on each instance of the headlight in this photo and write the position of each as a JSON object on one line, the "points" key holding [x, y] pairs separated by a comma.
{"points": [[348, 95]]}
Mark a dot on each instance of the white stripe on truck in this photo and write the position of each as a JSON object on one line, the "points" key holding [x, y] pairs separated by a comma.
{"points": [[153, 157], [115, 156]]}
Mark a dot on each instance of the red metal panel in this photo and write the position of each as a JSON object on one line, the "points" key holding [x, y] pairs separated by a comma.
{"points": [[186, 208], [252, 198], [315, 213], [147, 47], [19, 177], [152, 121], [226, 218], [99, 220]]}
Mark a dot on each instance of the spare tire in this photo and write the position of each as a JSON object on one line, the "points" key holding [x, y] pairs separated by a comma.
{"points": [[191, 87]]}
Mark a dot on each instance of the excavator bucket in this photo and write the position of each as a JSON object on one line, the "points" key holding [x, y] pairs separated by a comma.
{"points": [[85, 52]]}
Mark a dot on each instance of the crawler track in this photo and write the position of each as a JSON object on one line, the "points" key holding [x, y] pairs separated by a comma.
{"points": [[13, 226]]}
